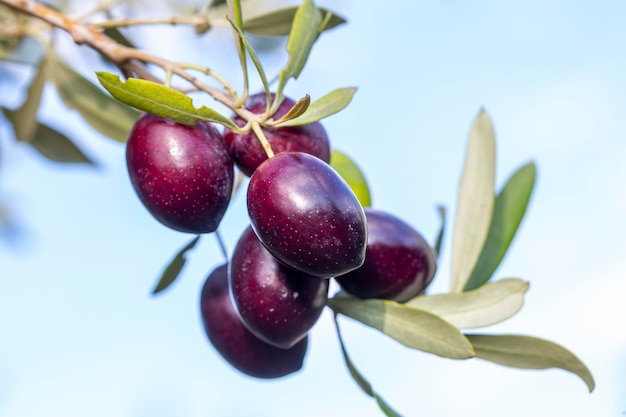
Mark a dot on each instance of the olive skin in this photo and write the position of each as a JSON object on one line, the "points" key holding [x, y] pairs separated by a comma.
{"points": [[399, 263], [234, 342], [278, 304], [182, 174], [306, 215], [247, 151]]}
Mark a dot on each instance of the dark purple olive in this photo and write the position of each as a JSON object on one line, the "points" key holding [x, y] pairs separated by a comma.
{"points": [[248, 152], [278, 304], [306, 215], [399, 263], [182, 174], [237, 345]]}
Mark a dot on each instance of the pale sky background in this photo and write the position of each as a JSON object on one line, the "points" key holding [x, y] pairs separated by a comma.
{"points": [[81, 335]]}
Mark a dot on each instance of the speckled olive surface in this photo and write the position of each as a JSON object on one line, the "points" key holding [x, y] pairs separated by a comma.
{"points": [[248, 153], [182, 174], [237, 345], [306, 215], [279, 305], [399, 263]]}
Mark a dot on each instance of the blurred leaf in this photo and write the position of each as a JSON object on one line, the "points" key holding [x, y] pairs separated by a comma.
{"points": [[529, 353], [235, 17], [160, 100], [24, 119], [57, 147], [328, 105], [101, 111], [360, 380], [172, 271], [508, 213], [297, 110], [302, 36], [415, 328], [118, 36], [353, 175], [439, 240], [487, 305], [254, 57], [475, 201], [278, 22]]}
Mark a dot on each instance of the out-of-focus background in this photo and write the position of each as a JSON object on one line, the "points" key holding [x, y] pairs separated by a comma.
{"points": [[80, 334]]}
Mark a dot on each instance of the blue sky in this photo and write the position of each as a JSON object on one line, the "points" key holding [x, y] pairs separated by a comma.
{"points": [[82, 336]]}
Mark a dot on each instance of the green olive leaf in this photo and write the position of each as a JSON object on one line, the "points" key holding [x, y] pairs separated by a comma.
{"points": [[56, 146], [304, 32], [528, 352], [235, 18], [415, 328], [24, 119], [490, 304], [297, 110], [353, 175], [160, 100], [360, 379], [171, 272], [106, 115], [475, 201], [331, 103], [508, 212], [439, 240], [278, 22]]}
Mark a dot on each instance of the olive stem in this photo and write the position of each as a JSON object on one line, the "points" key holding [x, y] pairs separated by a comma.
{"points": [[222, 245], [256, 127]]}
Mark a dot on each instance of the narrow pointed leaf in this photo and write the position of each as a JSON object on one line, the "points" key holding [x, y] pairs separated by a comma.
{"points": [[57, 147], [360, 379], [172, 271], [302, 36], [160, 100], [353, 175], [529, 353], [254, 57], [24, 119], [415, 328], [475, 201], [278, 22], [509, 210], [331, 103], [439, 240], [117, 36], [108, 116], [487, 305], [297, 110], [235, 17]]}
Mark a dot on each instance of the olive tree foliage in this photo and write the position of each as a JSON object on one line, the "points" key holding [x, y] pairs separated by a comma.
{"points": [[129, 80]]}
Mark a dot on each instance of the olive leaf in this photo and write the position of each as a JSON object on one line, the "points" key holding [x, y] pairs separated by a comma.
{"points": [[508, 212], [331, 103], [278, 22], [24, 119], [108, 116], [439, 239], [235, 18], [487, 305], [415, 328], [475, 201], [171, 272], [297, 110], [57, 147], [159, 100], [303, 34], [528, 352], [360, 379], [353, 175]]}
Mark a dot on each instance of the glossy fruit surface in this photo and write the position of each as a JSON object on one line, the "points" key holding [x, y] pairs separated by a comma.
{"points": [[399, 263], [182, 174], [279, 305], [248, 152], [237, 345], [306, 215]]}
